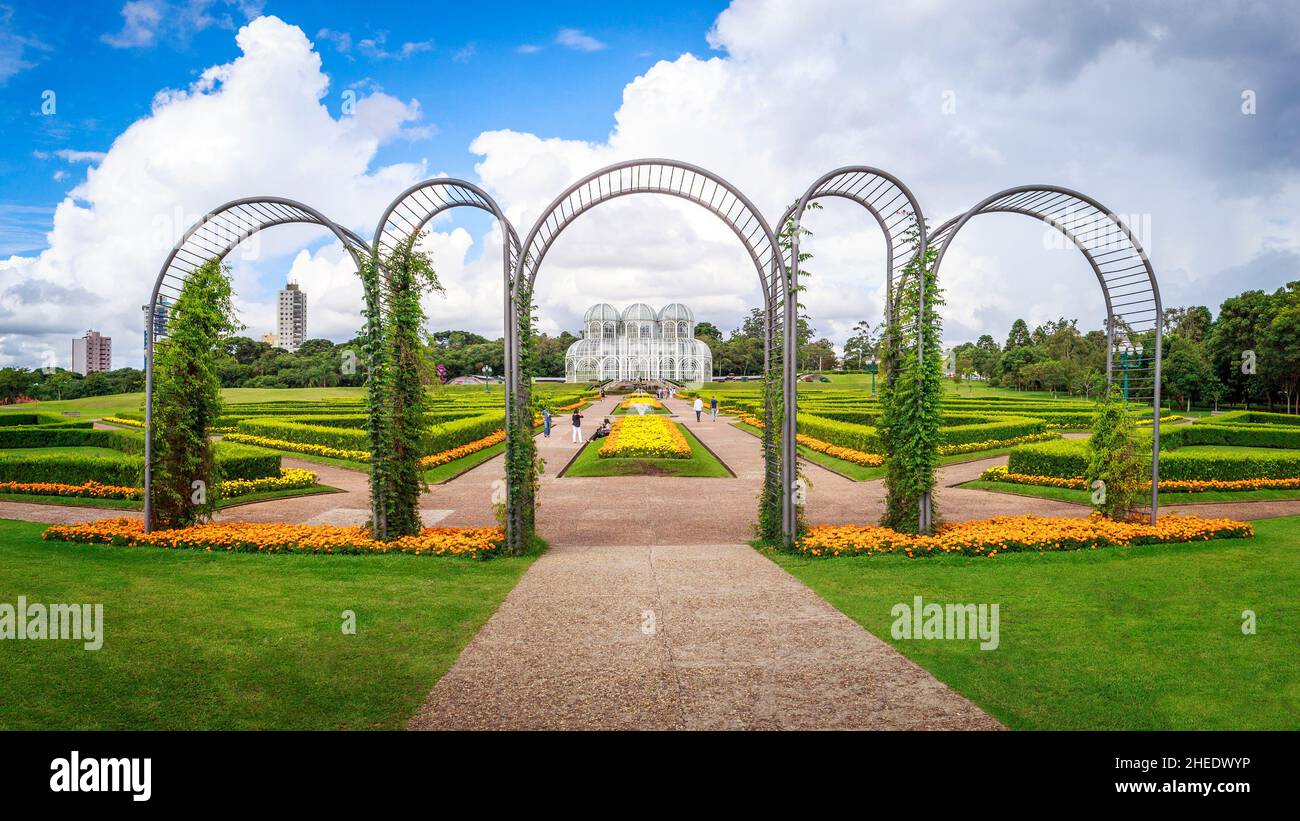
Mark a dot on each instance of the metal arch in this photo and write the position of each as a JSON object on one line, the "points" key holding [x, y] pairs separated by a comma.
{"points": [[403, 222], [897, 212], [214, 237], [1124, 272], [702, 187]]}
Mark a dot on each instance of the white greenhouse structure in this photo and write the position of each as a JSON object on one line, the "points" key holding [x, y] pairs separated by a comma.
{"points": [[638, 343]]}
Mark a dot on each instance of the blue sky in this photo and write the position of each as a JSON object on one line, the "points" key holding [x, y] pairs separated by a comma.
{"points": [[474, 66], [167, 108]]}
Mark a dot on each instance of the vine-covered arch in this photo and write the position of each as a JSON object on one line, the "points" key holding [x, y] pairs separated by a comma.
{"points": [[401, 224], [900, 218], [724, 200], [1123, 270], [214, 237]]}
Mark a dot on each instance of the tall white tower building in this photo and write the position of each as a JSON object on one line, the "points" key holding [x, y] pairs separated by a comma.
{"points": [[291, 322]]}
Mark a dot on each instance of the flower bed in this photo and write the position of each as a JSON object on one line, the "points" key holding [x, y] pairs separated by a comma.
{"points": [[648, 401], [999, 473], [645, 437], [870, 460], [446, 456], [1003, 534], [993, 444], [123, 422], [289, 479], [250, 537], [87, 490], [299, 447]]}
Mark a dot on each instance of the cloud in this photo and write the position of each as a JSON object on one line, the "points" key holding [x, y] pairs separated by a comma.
{"points": [[74, 156], [377, 47], [262, 118], [146, 22], [465, 53], [576, 40], [528, 48], [16, 50], [796, 89]]}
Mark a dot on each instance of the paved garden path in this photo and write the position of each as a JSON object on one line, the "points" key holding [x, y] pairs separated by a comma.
{"points": [[704, 636]]}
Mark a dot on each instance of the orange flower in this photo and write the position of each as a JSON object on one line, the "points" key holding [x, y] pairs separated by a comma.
{"points": [[251, 537], [1016, 534]]}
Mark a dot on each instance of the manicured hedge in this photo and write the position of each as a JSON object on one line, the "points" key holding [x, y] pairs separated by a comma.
{"points": [[1068, 459], [239, 461], [25, 461], [1254, 418], [1008, 427], [442, 435], [70, 468], [331, 437], [458, 432], [32, 418], [126, 441], [1241, 435], [845, 434]]}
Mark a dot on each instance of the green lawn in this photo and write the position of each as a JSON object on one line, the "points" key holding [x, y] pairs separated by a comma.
{"points": [[702, 464], [1118, 638], [1084, 497], [196, 640]]}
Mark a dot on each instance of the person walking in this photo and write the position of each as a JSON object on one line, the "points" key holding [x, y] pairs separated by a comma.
{"points": [[577, 428], [713, 408], [546, 423], [698, 407]]}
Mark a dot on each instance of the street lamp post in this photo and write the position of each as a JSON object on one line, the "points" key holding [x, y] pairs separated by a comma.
{"points": [[487, 374], [873, 369], [1130, 356]]}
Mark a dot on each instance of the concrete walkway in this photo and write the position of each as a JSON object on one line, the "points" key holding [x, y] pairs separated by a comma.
{"points": [[710, 636]]}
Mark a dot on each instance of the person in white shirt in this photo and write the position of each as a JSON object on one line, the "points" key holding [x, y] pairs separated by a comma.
{"points": [[699, 408]]}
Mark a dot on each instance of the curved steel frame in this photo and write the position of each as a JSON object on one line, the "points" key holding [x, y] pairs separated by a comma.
{"points": [[897, 213], [215, 236], [402, 223], [1122, 268], [1127, 279], [724, 200]]}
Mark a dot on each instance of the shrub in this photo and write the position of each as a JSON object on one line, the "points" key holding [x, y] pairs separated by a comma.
{"points": [[1113, 458]]}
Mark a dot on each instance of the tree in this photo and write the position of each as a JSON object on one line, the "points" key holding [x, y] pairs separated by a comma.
{"points": [[187, 399], [1282, 342], [1235, 341], [1192, 323], [987, 354], [861, 346], [1019, 336], [1184, 372], [707, 331], [1115, 472]]}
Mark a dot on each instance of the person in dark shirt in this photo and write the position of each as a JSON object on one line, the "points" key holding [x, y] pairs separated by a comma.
{"points": [[577, 427]]}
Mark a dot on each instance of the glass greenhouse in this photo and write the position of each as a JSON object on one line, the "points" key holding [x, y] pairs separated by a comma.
{"points": [[638, 343]]}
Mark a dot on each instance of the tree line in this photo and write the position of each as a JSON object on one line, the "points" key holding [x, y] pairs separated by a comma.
{"points": [[1248, 355]]}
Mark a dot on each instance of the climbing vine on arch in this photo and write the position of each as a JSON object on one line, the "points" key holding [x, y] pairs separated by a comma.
{"points": [[910, 415]]}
